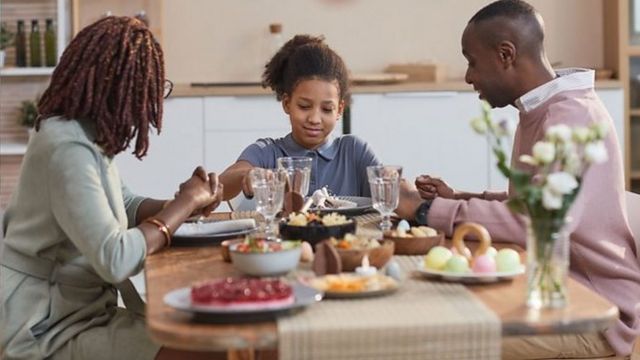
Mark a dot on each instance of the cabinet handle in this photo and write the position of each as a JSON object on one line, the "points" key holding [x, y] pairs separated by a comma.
{"points": [[424, 95]]}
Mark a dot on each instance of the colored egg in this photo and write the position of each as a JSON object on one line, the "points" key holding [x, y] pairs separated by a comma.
{"points": [[437, 258], [491, 251], [507, 260], [457, 264], [484, 264], [403, 225], [465, 252]]}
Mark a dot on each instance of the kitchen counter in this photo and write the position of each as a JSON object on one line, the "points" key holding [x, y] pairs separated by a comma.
{"points": [[186, 90]]}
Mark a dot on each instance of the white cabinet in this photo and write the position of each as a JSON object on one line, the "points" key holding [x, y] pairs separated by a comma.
{"points": [[172, 155], [233, 122], [426, 133]]}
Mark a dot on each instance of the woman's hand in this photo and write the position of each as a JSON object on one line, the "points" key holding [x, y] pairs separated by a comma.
{"points": [[203, 190], [430, 187]]}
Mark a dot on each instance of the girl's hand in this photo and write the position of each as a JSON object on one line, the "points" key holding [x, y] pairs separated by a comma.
{"points": [[431, 187], [246, 185]]}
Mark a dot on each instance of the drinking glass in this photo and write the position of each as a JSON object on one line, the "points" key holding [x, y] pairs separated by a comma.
{"points": [[298, 169], [268, 191], [384, 181]]}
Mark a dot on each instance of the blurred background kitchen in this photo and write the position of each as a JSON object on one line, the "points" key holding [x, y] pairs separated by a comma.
{"points": [[410, 102]]}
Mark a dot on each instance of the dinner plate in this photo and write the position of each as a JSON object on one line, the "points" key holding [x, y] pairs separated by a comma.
{"points": [[180, 299], [207, 239], [390, 286], [471, 278], [363, 204]]}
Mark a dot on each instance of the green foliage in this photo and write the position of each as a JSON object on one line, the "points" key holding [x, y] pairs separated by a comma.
{"points": [[6, 37], [28, 113]]}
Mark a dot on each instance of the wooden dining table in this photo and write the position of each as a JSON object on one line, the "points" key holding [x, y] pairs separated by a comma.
{"points": [[177, 267]]}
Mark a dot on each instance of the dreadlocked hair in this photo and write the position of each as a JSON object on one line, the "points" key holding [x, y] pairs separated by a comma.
{"points": [[112, 73], [301, 58]]}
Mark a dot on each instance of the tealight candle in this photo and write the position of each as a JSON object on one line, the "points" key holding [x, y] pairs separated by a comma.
{"points": [[365, 269]]}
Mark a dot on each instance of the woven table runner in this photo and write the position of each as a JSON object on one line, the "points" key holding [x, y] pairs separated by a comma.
{"points": [[422, 320]]}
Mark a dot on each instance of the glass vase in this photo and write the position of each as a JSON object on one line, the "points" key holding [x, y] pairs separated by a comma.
{"points": [[547, 262]]}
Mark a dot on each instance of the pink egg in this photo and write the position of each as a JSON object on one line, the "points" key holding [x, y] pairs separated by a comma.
{"points": [[484, 264]]}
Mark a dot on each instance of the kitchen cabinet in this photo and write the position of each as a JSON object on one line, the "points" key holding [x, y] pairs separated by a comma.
{"points": [[172, 155], [426, 133]]}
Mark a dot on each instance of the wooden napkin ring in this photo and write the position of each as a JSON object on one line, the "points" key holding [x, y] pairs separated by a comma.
{"points": [[475, 229]]}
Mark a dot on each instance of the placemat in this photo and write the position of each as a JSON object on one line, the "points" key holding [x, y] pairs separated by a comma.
{"points": [[422, 320]]}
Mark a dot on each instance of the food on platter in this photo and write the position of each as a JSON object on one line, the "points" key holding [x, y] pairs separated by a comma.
{"points": [[353, 283], [242, 293]]}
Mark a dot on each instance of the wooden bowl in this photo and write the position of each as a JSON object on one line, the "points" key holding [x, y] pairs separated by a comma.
{"points": [[378, 257], [416, 245]]}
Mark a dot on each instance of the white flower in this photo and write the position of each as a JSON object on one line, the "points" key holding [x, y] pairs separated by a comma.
{"points": [[551, 200], [544, 152], [528, 159], [595, 153], [581, 134], [560, 133], [561, 183], [479, 125], [600, 129]]}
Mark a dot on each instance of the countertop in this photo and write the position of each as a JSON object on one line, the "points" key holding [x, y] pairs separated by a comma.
{"points": [[186, 90]]}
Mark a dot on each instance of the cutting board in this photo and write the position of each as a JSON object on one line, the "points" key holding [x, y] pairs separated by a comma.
{"points": [[378, 78]]}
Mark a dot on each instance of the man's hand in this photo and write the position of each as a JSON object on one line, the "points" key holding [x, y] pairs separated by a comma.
{"points": [[432, 187]]}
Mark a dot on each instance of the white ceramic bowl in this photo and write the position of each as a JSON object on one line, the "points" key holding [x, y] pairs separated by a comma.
{"points": [[265, 263]]}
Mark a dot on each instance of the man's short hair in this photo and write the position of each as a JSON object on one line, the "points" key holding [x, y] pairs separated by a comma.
{"points": [[504, 8]]}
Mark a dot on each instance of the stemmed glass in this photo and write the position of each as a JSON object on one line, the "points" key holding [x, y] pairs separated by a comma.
{"points": [[384, 181], [268, 191]]}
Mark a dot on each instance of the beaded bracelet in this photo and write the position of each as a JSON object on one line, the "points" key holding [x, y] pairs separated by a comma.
{"points": [[164, 228]]}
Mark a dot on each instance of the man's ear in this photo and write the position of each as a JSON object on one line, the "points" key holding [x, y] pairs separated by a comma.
{"points": [[507, 52], [286, 103]]}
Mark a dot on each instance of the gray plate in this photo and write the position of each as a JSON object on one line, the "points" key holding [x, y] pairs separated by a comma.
{"points": [[181, 299], [363, 205]]}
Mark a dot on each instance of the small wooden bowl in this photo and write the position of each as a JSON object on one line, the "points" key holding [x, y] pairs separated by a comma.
{"points": [[224, 248], [378, 257], [416, 245]]}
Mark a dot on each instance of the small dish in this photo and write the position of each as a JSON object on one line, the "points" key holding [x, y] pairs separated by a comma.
{"points": [[346, 285], [315, 233], [471, 278], [378, 256]]}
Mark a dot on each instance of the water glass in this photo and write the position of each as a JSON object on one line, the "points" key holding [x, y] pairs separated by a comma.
{"points": [[384, 181], [298, 170], [268, 191]]}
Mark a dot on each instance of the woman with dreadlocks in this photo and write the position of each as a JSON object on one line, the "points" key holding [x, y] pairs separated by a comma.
{"points": [[74, 234]]}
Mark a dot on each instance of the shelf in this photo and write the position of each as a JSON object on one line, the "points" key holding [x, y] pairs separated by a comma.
{"points": [[634, 112], [13, 148], [27, 71], [635, 175]]}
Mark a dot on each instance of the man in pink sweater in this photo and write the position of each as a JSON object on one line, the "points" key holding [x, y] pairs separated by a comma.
{"points": [[507, 65]]}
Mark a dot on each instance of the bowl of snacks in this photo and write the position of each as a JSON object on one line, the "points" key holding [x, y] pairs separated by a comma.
{"points": [[414, 240], [313, 228], [259, 257], [352, 249]]}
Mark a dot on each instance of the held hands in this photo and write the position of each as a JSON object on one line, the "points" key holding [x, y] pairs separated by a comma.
{"points": [[203, 190], [431, 187]]}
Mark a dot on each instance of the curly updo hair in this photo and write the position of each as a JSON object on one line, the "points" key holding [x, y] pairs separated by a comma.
{"points": [[305, 57], [112, 74]]}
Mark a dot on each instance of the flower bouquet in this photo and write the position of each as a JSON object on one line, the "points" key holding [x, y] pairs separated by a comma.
{"points": [[545, 185]]}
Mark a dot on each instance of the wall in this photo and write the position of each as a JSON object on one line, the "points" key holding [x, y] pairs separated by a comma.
{"points": [[227, 40]]}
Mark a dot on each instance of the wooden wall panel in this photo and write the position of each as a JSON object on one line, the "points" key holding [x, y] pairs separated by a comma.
{"points": [[9, 173]]}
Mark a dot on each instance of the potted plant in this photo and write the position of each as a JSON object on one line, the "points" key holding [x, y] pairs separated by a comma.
{"points": [[6, 39], [28, 114]]}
